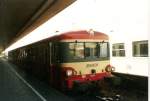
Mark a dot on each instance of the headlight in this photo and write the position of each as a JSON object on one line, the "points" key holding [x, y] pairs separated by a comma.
{"points": [[109, 68], [112, 69], [69, 73]]}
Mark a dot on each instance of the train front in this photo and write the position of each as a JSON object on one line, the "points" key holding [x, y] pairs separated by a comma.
{"points": [[84, 58]]}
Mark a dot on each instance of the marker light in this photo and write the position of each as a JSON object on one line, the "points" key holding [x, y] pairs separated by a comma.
{"points": [[69, 72]]}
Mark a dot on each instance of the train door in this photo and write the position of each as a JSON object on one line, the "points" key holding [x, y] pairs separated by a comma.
{"points": [[54, 64], [50, 63], [46, 61]]}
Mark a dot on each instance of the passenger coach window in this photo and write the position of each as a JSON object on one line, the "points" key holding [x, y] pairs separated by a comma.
{"points": [[140, 48], [118, 50]]}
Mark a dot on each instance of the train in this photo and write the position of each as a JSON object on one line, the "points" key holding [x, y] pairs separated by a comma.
{"points": [[129, 54], [67, 59]]}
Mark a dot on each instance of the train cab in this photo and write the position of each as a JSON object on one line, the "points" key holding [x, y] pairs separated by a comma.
{"points": [[82, 57]]}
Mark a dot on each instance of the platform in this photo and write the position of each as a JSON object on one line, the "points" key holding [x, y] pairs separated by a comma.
{"points": [[17, 86]]}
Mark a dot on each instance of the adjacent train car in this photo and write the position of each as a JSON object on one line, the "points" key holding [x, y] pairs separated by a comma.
{"points": [[130, 56], [76, 57]]}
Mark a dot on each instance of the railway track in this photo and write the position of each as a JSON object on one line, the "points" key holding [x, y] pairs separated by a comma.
{"points": [[94, 93], [105, 92]]}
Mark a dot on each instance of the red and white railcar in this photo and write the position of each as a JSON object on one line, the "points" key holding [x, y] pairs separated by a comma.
{"points": [[68, 58]]}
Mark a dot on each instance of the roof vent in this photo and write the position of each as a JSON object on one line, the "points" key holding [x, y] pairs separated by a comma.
{"points": [[91, 31]]}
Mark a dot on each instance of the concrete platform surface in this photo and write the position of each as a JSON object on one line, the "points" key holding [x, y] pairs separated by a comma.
{"points": [[17, 86]]}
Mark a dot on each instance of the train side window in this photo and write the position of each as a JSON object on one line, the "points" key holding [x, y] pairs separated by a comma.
{"points": [[118, 50], [140, 48]]}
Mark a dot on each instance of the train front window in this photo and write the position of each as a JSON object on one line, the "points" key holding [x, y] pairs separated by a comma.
{"points": [[76, 50], [104, 50], [91, 49], [83, 51]]}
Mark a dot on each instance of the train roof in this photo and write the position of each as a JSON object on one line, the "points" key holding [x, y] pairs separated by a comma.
{"points": [[83, 34]]}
